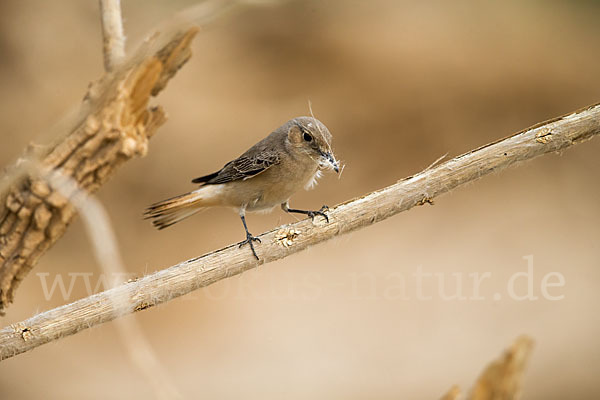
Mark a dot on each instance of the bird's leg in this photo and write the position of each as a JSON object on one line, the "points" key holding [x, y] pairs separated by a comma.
{"points": [[249, 237], [286, 207]]}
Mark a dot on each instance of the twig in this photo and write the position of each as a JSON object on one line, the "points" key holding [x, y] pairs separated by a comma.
{"points": [[175, 281], [112, 34]]}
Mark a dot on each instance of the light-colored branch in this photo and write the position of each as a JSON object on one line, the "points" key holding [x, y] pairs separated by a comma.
{"points": [[113, 126], [107, 254], [502, 378], [112, 34], [452, 394], [164, 285]]}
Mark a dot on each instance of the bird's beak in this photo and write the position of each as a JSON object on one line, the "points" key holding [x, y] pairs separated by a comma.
{"points": [[331, 160]]}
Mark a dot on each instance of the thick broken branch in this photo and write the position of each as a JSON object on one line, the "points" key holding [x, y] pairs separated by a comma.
{"points": [[164, 285], [114, 126]]}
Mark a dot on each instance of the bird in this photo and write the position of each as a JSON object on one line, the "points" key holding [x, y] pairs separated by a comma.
{"points": [[292, 157]]}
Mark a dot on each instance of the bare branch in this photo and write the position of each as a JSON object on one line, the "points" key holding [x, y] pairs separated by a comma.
{"points": [[106, 250], [162, 286], [112, 34], [113, 126]]}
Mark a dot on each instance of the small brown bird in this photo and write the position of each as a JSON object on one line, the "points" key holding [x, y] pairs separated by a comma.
{"points": [[266, 175]]}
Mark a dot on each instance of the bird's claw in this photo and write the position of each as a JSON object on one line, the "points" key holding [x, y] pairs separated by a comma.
{"points": [[321, 212], [249, 240]]}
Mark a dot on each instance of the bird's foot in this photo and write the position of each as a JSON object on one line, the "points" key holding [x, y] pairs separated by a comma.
{"points": [[249, 240], [321, 212]]}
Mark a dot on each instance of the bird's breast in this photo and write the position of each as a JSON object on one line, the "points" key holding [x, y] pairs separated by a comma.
{"points": [[271, 187]]}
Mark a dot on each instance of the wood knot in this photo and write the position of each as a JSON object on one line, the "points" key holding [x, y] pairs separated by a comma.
{"points": [[544, 135], [286, 237], [425, 200], [26, 334], [142, 306], [23, 331]]}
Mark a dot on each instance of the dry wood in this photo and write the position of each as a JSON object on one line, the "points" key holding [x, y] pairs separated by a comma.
{"points": [[501, 380], [164, 285], [112, 34], [114, 125], [452, 394]]}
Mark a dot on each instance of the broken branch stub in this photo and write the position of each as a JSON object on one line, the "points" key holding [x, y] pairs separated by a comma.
{"points": [[502, 379], [114, 126]]}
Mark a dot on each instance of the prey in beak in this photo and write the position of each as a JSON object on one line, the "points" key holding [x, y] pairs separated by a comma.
{"points": [[329, 161]]}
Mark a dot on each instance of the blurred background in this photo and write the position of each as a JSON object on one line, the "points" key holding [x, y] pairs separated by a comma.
{"points": [[399, 84]]}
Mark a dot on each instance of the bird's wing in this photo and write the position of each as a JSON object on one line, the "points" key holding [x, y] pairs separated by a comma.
{"points": [[244, 167]]}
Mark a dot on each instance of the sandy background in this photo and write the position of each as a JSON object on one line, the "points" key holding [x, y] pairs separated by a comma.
{"points": [[398, 83]]}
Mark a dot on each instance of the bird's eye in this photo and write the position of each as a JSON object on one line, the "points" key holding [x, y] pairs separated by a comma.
{"points": [[307, 137]]}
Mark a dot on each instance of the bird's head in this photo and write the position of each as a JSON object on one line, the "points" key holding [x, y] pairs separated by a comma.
{"points": [[311, 137]]}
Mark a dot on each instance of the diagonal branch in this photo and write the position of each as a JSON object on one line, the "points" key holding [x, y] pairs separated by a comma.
{"points": [[162, 286]]}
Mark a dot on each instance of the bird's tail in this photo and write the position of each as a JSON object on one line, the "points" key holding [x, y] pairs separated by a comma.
{"points": [[168, 212]]}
